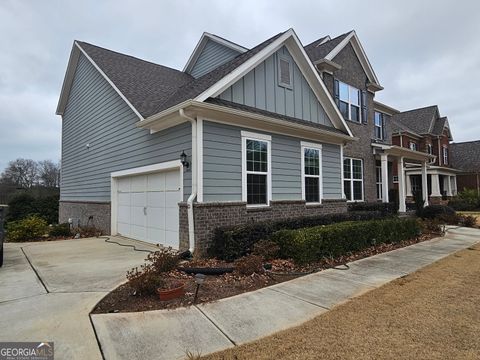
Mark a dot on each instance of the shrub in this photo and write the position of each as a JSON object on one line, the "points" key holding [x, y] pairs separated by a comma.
{"points": [[390, 208], [232, 242], [60, 230], [312, 244], [47, 208], [28, 229], [150, 277], [467, 220], [267, 249], [462, 205], [250, 264], [436, 211], [20, 207], [87, 231], [432, 226]]}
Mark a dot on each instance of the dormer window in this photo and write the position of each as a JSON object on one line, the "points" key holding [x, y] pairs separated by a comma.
{"points": [[348, 101], [285, 72]]}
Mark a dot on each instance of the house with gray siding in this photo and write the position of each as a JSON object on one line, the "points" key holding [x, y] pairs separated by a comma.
{"points": [[277, 131], [166, 156]]}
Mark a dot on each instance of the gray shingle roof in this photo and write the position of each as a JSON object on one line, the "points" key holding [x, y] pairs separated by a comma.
{"points": [[439, 125], [466, 156], [152, 88], [399, 127], [143, 83], [237, 106], [319, 52], [421, 121]]}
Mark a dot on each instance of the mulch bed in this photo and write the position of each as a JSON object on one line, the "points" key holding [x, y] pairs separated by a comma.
{"points": [[123, 298]]}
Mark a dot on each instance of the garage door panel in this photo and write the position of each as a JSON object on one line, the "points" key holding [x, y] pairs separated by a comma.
{"points": [[123, 229], [123, 214], [138, 199], [123, 184], [139, 183], [156, 236], [124, 199], [156, 199], [172, 199], [156, 182], [171, 219], [138, 216], [139, 232], [156, 218], [172, 181], [171, 239]]}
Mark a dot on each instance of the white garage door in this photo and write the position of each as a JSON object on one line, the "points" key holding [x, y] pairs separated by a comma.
{"points": [[147, 207]]}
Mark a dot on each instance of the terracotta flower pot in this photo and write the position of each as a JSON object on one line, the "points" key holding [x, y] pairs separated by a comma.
{"points": [[173, 293]]}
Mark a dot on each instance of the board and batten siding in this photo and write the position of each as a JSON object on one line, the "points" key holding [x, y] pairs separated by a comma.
{"points": [[212, 56], [96, 115], [259, 88], [222, 165]]}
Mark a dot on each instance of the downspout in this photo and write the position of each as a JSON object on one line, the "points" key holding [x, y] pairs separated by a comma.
{"points": [[193, 195]]}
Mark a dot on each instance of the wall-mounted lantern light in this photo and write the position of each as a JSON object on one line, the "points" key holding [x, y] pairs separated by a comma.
{"points": [[183, 159]]}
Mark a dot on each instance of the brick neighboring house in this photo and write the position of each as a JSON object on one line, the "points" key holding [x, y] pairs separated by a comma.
{"points": [[466, 158], [425, 130]]}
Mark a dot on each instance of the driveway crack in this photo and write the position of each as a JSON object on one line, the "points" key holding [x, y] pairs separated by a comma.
{"points": [[35, 271]]}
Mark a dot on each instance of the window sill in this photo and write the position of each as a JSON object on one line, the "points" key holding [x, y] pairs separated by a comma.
{"points": [[255, 208], [354, 201], [313, 204]]}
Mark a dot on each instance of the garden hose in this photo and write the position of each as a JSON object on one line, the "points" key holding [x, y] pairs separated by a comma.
{"points": [[107, 240]]}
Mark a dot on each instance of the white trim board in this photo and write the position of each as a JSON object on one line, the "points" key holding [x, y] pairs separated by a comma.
{"points": [[308, 145]]}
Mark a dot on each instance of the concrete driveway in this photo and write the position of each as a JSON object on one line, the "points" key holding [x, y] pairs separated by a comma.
{"points": [[47, 290]]}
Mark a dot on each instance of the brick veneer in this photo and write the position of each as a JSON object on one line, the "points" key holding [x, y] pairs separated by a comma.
{"points": [[209, 216], [80, 212]]}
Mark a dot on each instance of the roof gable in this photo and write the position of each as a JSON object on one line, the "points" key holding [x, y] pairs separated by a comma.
{"points": [[211, 49], [466, 156], [328, 50], [260, 89], [420, 121]]}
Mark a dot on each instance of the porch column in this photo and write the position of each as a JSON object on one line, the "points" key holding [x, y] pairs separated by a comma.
{"points": [[435, 185], [408, 185], [402, 207], [449, 185], [384, 163], [424, 183], [454, 185]]}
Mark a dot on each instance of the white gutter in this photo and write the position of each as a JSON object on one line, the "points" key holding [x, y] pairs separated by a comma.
{"points": [[191, 225]]}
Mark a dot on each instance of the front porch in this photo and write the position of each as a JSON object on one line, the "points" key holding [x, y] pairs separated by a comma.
{"points": [[411, 172]]}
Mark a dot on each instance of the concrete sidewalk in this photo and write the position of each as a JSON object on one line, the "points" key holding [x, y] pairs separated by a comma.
{"points": [[203, 329]]}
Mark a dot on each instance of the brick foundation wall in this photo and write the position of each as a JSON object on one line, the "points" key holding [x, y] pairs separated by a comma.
{"points": [[209, 216], [80, 212]]}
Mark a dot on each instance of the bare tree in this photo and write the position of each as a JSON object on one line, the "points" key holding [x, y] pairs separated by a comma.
{"points": [[21, 172], [49, 173]]}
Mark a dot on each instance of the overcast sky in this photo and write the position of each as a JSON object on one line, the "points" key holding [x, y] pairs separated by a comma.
{"points": [[423, 52]]}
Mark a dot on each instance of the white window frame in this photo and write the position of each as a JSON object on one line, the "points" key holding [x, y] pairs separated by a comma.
{"points": [[379, 184], [350, 104], [429, 149], [351, 180], [318, 147], [412, 146], [445, 155], [290, 69], [382, 125], [246, 135]]}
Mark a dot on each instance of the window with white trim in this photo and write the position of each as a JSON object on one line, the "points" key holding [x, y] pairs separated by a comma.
{"points": [[353, 179], [311, 172], [256, 168], [285, 70], [378, 180], [445, 155], [429, 149], [412, 146], [349, 101], [379, 126]]}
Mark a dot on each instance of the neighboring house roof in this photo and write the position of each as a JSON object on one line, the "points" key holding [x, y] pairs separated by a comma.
{"points": [[422, 121], [399, 127], [465, 156], [233, 105], [143, 83]]}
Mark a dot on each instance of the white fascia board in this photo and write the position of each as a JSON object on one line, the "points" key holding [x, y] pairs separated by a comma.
{"points": [[201, 44], [359, 51], [109, 81], [168, 165], [68, 80]]}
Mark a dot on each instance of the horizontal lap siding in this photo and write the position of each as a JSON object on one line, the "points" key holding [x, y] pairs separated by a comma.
{"points": [[96, 115], [259, 88], [212, 56], [222, 165]]}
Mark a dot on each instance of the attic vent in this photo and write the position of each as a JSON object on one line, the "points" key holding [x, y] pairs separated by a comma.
{"points": [[284, 72]]}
